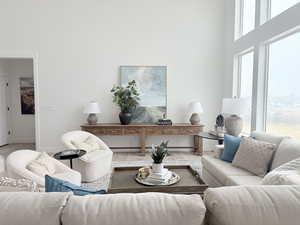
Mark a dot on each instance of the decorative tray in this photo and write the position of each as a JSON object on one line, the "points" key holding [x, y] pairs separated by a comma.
{"points": [[175, 178]]}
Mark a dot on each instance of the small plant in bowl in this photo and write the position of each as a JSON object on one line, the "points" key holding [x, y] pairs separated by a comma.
{"points": [[159, 152]]}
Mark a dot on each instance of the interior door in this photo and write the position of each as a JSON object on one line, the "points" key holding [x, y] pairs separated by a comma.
{"points": [[3, 112]]}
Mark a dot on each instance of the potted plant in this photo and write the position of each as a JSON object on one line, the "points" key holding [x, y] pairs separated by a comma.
{"points": [[127, 98], [159, 152]]}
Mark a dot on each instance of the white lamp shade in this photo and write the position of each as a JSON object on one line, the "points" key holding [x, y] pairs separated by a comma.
{"points": [[92, 107], [195, 107], [234, 106]]}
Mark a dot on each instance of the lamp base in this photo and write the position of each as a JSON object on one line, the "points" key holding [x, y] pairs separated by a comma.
{"points": [[92, 119], [195, 119], [234, 125]]}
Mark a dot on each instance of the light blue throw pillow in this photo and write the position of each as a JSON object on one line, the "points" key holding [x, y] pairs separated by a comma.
{"points": [[231, 145], [53, 184]]}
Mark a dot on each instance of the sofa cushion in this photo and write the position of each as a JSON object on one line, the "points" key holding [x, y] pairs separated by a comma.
{"points": [[231, 145], [254, 156], [134, 209], [249, 205], [29, 208], [270, 138], [243, 180], [288, 150], [57, 185], [286, 174], [221, 170]]}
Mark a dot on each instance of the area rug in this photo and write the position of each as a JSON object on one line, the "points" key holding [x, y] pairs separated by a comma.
{"points": [[103, 182]]}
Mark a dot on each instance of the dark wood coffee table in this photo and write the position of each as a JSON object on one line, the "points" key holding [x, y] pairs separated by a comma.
{"points": [[122, 181]]}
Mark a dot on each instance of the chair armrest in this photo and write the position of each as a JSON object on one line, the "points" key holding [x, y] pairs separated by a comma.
{"points": [[248, 205], [218, 150]]}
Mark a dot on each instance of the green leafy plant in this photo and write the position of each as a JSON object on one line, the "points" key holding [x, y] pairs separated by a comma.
{"points": [[159, 152], [127, 98]]}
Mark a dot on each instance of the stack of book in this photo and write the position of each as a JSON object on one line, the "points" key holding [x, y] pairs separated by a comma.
{"points": [[158, 178]]}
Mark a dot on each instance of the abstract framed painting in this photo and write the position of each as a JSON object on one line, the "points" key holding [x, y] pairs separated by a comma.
{"points": [[27, 95], [152, 85]]}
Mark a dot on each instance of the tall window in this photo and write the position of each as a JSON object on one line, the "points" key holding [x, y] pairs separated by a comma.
{"points": [[246, 18], [278, 6], [245, 86], [283, 100]]}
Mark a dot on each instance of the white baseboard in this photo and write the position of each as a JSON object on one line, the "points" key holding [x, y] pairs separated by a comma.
{"points": [[21, 140]]}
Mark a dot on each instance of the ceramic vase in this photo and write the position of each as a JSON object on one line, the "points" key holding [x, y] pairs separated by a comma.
{"points": [[125, 118], [157, 167]]}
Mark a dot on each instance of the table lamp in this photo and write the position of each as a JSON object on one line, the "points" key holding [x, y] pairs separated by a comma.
{"points": [[234, 107], [195, 109], [92, 109]]}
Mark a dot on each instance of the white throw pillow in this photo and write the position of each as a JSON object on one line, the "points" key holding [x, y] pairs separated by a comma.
{"points": [[286, 174], [88, 145], [254, 156], [42, 165]]}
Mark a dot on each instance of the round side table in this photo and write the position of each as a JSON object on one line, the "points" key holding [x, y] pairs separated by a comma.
{"points": [[211, 137], [69, 155]]}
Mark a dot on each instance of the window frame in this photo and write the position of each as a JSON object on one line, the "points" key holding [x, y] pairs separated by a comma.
{"points": [[259, 41], [239, 77], [239, 19], [267, 70], [239, 70]]}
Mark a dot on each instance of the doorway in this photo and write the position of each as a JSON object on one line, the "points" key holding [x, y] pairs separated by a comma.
{"points": [[17, 101]]}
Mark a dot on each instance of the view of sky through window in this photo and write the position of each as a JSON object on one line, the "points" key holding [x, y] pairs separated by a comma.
{"points": [[278, 6], [248, 21], [283, 110]]}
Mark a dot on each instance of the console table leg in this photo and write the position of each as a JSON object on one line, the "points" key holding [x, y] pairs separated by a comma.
{"points": [[198, 145], [143, 142]]}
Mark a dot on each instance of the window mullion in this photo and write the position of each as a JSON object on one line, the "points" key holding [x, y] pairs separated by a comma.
{"points": [[259, 91]]}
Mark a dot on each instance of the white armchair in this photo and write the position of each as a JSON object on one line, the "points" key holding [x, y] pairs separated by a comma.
{"points": [[96, 163], [17, 163]]}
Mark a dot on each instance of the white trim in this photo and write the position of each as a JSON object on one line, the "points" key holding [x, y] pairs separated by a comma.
{"points": [[238, 28], [236, 92], [20, 140], [34, 57], [283, 35], [267, 30], [285, 23]]}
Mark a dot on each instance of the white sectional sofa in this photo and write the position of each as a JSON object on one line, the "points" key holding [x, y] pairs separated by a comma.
{"points": [[239, 198], [218, 173], [253, 205]]}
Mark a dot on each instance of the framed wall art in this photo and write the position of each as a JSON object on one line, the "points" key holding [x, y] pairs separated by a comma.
{"points": [[152, 85]]}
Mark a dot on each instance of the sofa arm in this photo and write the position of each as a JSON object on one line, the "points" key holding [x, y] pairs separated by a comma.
{"points": [[218, 151], [248, 205]]}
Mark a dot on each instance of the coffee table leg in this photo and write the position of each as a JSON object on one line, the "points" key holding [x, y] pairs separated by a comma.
{"points": [[71, 164]]}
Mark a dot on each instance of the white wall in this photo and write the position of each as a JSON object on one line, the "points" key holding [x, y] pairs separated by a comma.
{"points": [[22, 127], [81, 44]]}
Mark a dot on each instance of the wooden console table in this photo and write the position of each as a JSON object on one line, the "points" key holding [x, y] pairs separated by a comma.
{"points": [[143, 130]]}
